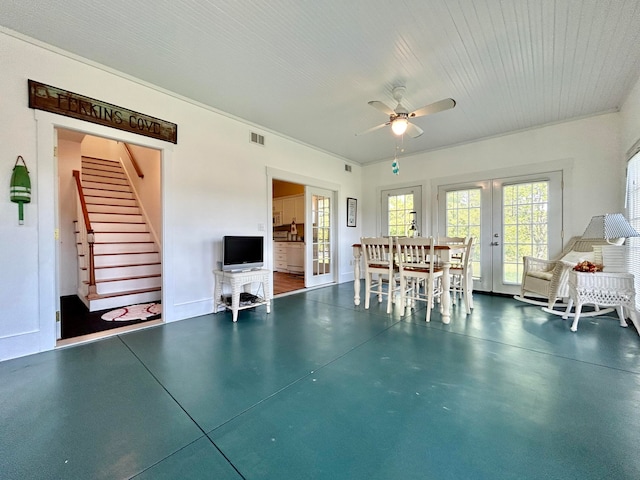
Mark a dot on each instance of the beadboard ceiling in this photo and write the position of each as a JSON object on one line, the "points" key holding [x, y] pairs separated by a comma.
{"points": [[306, 69]]}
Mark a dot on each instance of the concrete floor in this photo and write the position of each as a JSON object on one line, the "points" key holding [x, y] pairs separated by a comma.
{"points": [[322, 389]]}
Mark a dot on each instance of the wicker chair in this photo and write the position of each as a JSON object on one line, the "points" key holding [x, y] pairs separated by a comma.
{"points": [[544, 282]]}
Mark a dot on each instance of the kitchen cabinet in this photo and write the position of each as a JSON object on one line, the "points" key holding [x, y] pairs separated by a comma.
{"points": [[298, 205], [295, 257], [288, 257], [288, 210], [280, 256], [292, 208], [277, 212]]}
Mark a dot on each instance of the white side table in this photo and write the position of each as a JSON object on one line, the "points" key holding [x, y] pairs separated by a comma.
{"points": [[241, 281], [605, 289]]}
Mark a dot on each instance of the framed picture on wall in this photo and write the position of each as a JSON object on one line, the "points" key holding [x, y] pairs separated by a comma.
{"points": [[352, 211]]}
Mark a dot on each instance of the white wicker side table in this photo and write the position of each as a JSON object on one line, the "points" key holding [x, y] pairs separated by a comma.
{"points": [[602, 289], [238, 281]]}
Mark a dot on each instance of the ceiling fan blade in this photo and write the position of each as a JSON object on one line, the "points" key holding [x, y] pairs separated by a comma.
{"points": [[414, 130], [436, 107], [382, 107], [373, 128]]}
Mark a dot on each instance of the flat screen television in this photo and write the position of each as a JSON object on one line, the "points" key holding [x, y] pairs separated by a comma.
{"points": [[242, 252]]}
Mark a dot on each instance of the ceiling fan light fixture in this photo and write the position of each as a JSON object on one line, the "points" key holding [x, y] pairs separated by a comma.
{"points": [[399, 125]]}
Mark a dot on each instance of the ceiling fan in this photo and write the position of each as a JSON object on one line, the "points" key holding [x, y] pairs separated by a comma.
{"points": [[399, 118]]}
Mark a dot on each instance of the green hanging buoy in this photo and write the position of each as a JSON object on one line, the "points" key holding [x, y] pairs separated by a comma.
{"points": [[20, 190]]}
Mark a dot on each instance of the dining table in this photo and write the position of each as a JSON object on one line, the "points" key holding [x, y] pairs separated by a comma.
{"points": [[445, 253]]}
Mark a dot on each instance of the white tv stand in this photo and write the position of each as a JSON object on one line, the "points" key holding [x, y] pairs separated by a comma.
{"points": [[241, 281]]}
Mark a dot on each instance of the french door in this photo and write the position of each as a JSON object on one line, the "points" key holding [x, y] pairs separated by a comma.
{"points": [[319, 237], [510, 218]]}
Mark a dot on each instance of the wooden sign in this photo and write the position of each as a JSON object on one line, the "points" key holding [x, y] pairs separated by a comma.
{"points": [[55, 100]]}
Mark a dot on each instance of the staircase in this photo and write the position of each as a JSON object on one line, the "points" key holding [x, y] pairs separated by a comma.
{"points": [[126, 259]]}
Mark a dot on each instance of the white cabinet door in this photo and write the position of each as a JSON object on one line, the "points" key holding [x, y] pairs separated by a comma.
{"points": [[280, 256], [295, 257], [298, 203], [288, 210], [291, 208]]}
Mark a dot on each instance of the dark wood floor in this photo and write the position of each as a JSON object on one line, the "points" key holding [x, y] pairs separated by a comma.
{"points": [[287, 282], [77, 320]]}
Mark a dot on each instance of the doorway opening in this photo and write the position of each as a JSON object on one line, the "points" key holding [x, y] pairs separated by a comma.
{"points": [[288, 236], [109, 227], [303, 235]]}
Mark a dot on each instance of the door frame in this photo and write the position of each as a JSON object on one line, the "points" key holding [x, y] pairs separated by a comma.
{"points": [[565, 166], [287, 176], [48, 221]]}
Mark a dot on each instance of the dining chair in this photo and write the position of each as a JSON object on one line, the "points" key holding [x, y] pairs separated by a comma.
{"points": [[461, 274], [420, 272], [378, 257], [453, 241]]}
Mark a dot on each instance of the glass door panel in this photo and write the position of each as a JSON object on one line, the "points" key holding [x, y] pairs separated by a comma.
{"points": [[319, 237]]}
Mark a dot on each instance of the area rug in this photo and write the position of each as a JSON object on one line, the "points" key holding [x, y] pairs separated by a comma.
{"points": [[133, 312]]}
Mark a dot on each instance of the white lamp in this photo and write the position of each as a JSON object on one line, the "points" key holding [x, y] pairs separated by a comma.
{"points": [[608, 226], [399, 125]]}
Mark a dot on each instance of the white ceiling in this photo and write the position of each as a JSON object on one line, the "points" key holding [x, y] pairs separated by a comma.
{"points": [[307, 69]]}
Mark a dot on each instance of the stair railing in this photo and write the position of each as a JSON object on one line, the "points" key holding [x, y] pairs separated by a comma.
{"points": [[87, 237], [133, 160]]}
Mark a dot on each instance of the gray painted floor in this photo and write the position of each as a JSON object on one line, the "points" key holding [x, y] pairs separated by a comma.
{"points": [[322, 389]]}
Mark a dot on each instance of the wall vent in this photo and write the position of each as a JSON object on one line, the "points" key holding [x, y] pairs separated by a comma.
{"points": [[257, 138], [347, 168]]}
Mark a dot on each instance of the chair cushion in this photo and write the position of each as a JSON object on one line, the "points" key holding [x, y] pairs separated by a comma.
{"points": [[577, 257], [378, 265], [540, 275]]}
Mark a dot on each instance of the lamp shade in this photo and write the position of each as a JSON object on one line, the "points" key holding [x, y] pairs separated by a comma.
{"points": [[610, 225], [399, 125]]}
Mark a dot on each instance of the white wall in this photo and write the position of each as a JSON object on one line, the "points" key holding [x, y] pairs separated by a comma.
{"points": [[214, 183], [69, 159], [593, 185], [630, 120]]}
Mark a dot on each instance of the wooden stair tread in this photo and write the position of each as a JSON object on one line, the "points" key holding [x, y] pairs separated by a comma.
{"points": [[126, 265], [122, 243], [120, 279], [118, 231], [119, 243], [126, 223], [112, 213], [98, 296], [125, 253], [102, 204], [100, 159]]}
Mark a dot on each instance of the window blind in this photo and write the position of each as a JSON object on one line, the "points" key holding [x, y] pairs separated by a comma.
{"points": [[633, 209]]}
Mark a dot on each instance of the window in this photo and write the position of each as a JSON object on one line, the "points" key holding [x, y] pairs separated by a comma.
{"points": [[633, 208], [397, 208]]}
